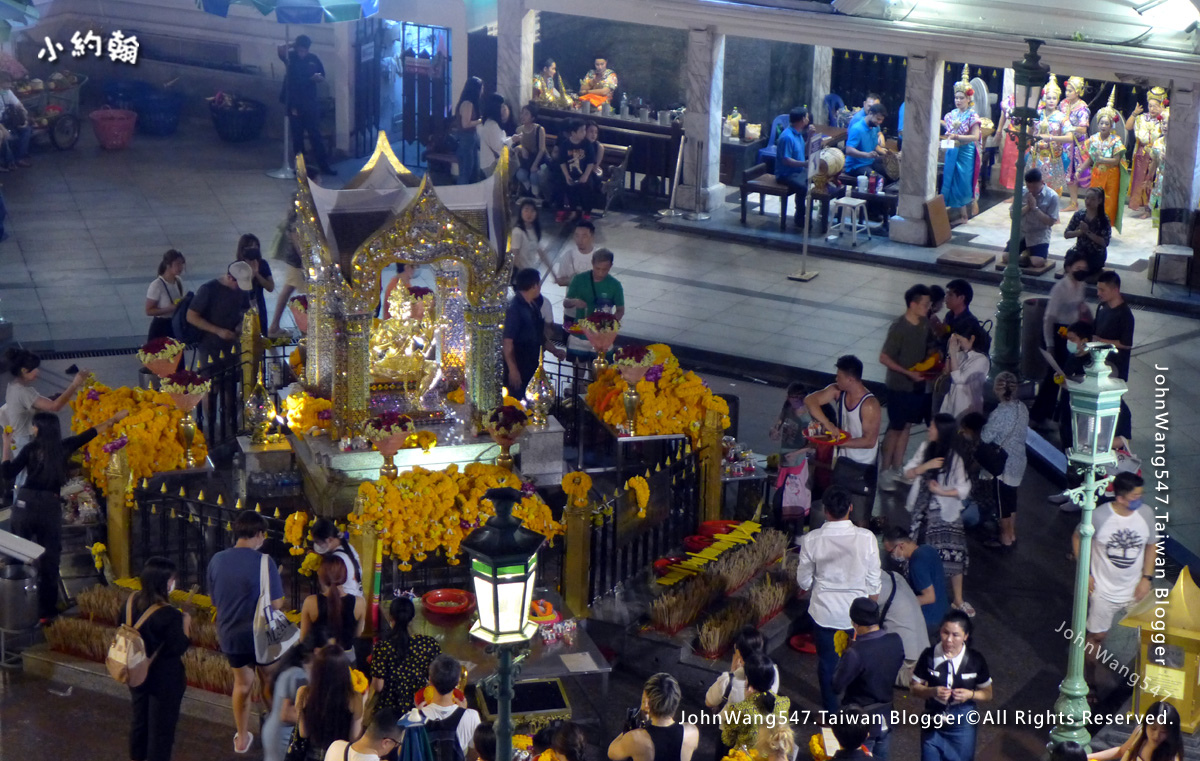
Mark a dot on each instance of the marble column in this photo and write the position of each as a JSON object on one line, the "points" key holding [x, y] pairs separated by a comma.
{"points": [[1181, 176], [516, 28], [700, 186], [918, 175], [822, 74]]}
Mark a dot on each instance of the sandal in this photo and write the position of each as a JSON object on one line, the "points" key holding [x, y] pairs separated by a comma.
{"points": [[249, 743], [966, 607]]}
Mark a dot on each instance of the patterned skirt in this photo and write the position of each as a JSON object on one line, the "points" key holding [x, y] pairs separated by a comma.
{"points": [[948, 538]]}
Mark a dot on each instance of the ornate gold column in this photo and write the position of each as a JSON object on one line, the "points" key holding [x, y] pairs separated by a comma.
{"points": [[120, 522], [319, 361], [453, 344], [365, 544], [576, 557], [251, 356], [709, 455], [352, 376], [484, 329]]}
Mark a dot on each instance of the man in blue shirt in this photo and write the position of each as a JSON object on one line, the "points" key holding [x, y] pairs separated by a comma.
{"points": [[926, 574], [863, 151], [870, 100], [791, 156]]}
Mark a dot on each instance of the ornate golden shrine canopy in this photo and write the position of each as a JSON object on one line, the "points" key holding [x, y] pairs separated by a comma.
{"points": [[385, 216]]}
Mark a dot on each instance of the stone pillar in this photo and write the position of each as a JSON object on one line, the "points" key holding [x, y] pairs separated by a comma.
{"points": [[516, 28], [822, 74], [700, 187], [918, 178], [1181, 178]]}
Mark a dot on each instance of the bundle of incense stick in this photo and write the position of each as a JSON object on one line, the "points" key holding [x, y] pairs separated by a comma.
{"points": [[105, 604], [770, 545], [676, 609], [78, 637], [718, 631], [208, 671], [768, 595], [737, 567]]}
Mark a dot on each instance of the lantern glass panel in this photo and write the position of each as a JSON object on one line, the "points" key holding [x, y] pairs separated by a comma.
{"points": [[529, 584], [1108, 425], [484, 598], [1085, 431], [1028, 95], [511, 597]]}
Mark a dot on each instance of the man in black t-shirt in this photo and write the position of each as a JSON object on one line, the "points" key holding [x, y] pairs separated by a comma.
{"points": [[525, 333], [1114, 326], [576, 158], [304, 72], [217, 310]]}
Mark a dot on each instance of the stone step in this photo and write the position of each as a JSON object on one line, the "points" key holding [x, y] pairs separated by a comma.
{"points": [[42, 662]]}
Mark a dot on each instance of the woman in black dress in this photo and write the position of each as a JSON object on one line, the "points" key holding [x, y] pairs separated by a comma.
{"points": [[164, 631], [400, 662]]}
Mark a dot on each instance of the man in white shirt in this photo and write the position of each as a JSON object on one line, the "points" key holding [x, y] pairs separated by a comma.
{"points": [[577, 258], [839, 562], [440, 715], [1123, 555], [383, 735]]}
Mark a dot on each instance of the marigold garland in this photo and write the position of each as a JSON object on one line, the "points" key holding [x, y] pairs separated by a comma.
{"points": [[312, 561], [304, 413], [421, 512], [152, 428], [457, 396], [641, 493], [673, 401], [358, 680], [293, 531], [577, 485]]}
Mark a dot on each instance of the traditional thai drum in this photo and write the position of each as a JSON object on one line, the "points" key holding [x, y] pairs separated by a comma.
{"points": [[891, 166], [829, 163]]}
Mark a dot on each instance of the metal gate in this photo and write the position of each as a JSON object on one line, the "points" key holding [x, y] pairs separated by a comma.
{"points": [[425, 97], [368, 49]]}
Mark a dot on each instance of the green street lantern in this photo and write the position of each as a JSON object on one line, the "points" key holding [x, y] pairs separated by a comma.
{"points": [[1095, 405], [503, 565]]}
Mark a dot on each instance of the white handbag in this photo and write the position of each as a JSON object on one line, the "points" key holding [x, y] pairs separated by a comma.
{"points": [[274, 634]]}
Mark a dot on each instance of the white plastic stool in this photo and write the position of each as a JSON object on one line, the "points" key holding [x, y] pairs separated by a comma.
{"points": [[851, 217]]}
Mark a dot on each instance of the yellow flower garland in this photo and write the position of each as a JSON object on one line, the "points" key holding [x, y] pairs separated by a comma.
{"points": [[152, 428], [577, 485], [303, 412], [358, 680], [457, 396], [421, 512], [674, 404], [641, 493], [293, 531], [98, 551], [312, 561]]}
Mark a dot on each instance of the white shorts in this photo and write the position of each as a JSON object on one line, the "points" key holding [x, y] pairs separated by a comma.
{"points": [[294, 276], [1102, 614]]}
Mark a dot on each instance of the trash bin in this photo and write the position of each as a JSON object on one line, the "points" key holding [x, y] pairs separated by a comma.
{"points": [[1033, 364], [18, 597]]}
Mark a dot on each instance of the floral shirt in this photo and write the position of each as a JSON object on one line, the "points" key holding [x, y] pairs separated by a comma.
{"points": [[1099, 148], [402, 677], [1007, 426], [607, 79]]}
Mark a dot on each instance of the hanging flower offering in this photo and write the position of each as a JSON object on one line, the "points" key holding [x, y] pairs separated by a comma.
{"points": [[387, 425], [308, 414], [312, 561], [641, 493], [457, 396], [358, 681], [293, 531], [116, 444], [633, 356], [185, 382], [165, 348], [577, 485], [600, 322], [507, 421]]}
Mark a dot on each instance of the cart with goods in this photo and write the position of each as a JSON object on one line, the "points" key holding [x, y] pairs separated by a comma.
{"points": [[53, 107], [237, 119]]}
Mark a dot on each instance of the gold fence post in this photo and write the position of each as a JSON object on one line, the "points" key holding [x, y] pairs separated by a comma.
{"points": [[352, 376], [365, 544], [709, 455], [250, 351], [577, 557], [120, 523]]}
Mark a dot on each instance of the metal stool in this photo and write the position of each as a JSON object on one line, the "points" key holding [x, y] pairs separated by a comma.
{"points": [[851, 217]]}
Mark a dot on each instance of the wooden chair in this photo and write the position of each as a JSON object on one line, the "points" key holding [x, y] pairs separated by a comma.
{"points": [[757, 180]]}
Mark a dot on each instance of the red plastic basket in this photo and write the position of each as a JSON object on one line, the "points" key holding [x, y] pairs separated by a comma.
{"points": [[113, 126]]}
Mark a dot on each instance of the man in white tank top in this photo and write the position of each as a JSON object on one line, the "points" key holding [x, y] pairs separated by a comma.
{"points": [[858, 416]]}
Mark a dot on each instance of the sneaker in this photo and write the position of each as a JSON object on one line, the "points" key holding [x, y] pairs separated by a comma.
{"points": [[1069, 507]]}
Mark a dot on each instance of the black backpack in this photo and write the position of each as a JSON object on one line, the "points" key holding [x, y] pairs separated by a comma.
{"points": [[180, 327], [443, 737]]}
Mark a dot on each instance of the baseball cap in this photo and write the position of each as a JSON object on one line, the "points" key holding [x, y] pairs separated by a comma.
{"points": [[243, 274], [865, 612]]}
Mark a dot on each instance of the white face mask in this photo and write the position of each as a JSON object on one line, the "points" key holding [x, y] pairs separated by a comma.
{"points": [[319, 549], [898, 556], [1072, 347], [170, 586]]}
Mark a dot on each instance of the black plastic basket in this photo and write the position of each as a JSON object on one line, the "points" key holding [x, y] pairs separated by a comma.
{"points": [[124, 94], [158, 112], [241, 123]]}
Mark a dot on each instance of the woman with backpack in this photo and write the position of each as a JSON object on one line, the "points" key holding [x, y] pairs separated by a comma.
{"points": [[400, 662], [336, 617], [328, 540], [327, 708], [164, 633], [37, 512], [164, 294]]}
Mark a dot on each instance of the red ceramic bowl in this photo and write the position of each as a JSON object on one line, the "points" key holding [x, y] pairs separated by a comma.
{"points": [[712, 528], [697, 543], [662, 566], [448, 602]]}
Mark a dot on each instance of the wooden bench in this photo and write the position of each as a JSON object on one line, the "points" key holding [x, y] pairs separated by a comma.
{"points": [[758, 180], [613, 167]]}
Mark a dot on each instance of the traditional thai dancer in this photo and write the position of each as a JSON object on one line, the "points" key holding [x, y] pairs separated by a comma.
{"points": [[960, 179], [1158, 154], [1079, 118], [1051, 129], [1104, 153], [1008, 146], [1147, 128]]}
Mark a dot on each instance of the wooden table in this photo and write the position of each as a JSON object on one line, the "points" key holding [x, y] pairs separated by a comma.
{"points": [[736, 157]]}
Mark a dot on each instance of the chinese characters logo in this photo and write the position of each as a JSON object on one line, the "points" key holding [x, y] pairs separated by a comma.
{"points": [[121, 48]]}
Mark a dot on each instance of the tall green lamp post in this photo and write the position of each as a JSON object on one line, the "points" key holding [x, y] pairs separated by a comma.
{"points": [[1095, 405], [503, 557], [1029, 76]]}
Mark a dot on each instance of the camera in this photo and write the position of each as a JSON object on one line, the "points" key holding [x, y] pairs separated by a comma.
{"points": [[634, 719]]}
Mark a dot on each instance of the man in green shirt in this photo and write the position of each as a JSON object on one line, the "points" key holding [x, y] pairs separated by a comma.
{"points": [[595, 291], [909, 341]]}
